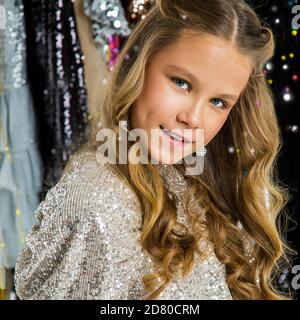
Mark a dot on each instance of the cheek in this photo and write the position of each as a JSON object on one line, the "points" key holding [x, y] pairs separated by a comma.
{"points": [[212, 125], [159, 100]]}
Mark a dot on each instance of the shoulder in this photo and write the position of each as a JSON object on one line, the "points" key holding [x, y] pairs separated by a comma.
{"points": [[88, 184]]}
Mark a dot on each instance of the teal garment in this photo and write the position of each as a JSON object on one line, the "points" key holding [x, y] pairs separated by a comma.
{"points": [[20, 177], [20, 163]]}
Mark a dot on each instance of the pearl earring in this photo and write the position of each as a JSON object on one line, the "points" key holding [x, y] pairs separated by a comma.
{"points": [[201, 152]]}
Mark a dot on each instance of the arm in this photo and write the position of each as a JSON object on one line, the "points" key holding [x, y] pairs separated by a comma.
{"points": [[60, 252], [79, 249]]}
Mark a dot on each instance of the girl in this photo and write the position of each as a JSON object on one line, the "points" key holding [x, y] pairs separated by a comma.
{"points": [[134, 230]]}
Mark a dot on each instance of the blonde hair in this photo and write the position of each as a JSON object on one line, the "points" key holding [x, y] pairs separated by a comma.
{"points": [[226, 194]]}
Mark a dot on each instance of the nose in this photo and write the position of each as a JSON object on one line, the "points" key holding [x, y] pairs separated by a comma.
{"points": [[191, 116]]}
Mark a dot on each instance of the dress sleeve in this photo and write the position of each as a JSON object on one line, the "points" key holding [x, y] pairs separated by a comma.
{"points": [[73, 251], [60, 252]]}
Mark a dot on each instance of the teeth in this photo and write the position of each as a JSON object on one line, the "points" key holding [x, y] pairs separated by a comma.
{"points": [[175, 136]]}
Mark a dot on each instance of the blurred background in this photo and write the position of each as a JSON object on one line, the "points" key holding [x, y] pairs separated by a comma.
{"points": [[55, 60]]}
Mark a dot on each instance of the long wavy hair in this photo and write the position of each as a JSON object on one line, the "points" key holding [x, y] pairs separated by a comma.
{"points": [[233, 186]]}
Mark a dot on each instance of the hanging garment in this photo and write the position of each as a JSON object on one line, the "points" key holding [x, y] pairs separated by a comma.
{"points": [[20, 163], [57, 79], [109, 27], [107, 18]]}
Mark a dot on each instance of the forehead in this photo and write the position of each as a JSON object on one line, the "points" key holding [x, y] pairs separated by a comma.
{"points": [[214, 62]]}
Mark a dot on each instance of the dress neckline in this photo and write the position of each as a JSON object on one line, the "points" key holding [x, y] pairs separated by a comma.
{"points": [[177, 185]]}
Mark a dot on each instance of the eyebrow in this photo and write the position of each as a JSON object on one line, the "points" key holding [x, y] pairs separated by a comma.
{"points": [[194, 78]]}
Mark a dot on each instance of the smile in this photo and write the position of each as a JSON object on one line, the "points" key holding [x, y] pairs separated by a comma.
{"points": [[173, 137]]}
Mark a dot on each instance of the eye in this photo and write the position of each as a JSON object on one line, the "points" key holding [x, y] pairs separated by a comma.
{"points": [[182, 83], [225, 106]]}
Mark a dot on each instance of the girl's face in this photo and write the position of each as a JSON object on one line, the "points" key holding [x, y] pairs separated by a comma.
{"points": [[191, 84]]}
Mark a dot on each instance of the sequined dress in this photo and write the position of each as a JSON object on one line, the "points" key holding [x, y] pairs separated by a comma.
{"points": [[56, 74], [85, 244]]}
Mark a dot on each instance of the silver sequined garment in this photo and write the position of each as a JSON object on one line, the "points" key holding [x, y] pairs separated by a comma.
{"points": [[12, 46], [107, 18], [85, 244]]}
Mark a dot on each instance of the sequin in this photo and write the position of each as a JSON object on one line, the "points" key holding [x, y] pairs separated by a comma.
{"points": [[107, 18], [12, 48], [85, 244], [56, 74]]}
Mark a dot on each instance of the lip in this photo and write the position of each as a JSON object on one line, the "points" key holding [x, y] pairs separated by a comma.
{"points": [[184, 140], [172, 140]]}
